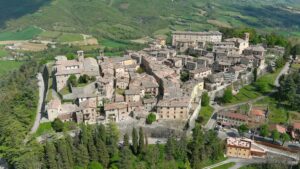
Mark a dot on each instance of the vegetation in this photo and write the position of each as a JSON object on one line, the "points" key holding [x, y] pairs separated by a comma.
{"points": [[7, 66], [131, 19], [205, 99], [21, 34], [227, 97], [151, 118], [184, 76], [97, 146], [205, 114], [288, 92], [57, 125]]}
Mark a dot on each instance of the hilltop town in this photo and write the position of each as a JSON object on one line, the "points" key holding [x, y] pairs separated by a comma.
{"points": [[166, 81]]}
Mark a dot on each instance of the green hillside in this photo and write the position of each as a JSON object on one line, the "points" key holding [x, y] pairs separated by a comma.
{"points": [[132, 19]]}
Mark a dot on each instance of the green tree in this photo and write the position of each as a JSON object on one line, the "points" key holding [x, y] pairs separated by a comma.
{"points": [[57, 125], [126, 140], [275, 135], [170, 148], [50, 153], [264, 130], [285, 137], [228, 96], [92, 150], [243, 129], [254, 74], [184, 76], [84, 79], [134, 141], [126, 160], [82, 156], [141, 148], [205, 99], [151, 118], [95, 165], [72, 80], [70, 56], [64, 153], [103, 155]]}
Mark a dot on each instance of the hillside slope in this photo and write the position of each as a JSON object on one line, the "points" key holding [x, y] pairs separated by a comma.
{"points": [[130, 19]]}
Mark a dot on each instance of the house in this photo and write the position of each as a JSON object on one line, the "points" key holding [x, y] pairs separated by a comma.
{"points": [[214, 81], [177, 108], [193, 37], [132, 95], [122, 83], [255, 50], [149, 104], [257, 117], [231, 119], [87, 112], [116, 111], [243, 148], [241, 44], [276, 127], [64, 112], [65, 68], [200, 73]]}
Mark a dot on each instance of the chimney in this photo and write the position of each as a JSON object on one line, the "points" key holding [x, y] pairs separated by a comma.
{"points": [[80, 55], [247, 37]]}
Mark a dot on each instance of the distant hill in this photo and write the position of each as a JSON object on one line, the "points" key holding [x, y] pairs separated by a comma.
{"points": [[132, 19]]}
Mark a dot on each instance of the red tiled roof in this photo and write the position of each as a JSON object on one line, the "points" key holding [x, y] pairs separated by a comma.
{"points": [[257, 112], [296, 125], [279, 128]]}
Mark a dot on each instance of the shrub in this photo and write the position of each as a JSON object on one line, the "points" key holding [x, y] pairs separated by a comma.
{"points": [[151, 118], [72, 81], [57, 125], [205, 99], [83, 79]]}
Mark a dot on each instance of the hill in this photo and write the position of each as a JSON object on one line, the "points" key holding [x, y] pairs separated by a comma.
{"points": [[132, 19]]}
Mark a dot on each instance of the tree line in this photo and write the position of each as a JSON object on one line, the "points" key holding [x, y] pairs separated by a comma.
{"points": [[96, 147]]}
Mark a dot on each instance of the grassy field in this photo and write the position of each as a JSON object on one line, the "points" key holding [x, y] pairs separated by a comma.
{"points": [[3, 52], [6, 66], [44, 128], [22, 34], [69, 37], [250, 92], [225, 166], [206, 112]]}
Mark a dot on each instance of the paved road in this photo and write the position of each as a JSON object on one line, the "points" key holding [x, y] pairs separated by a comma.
{"points": [[283, 71], [40, 104], [239, 162]]}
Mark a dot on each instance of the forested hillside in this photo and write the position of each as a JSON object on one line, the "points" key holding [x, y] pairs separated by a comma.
{"points": [[130, 19]]}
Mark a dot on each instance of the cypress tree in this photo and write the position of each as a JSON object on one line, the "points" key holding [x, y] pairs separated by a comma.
{"points": [[141, 141], [71, 149], [101, 132], [50, 153], [170, 148], [134, 141], [103, 155], [64, 154], [126, 159], [82, 156], [126, 140], [92, 150]]}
